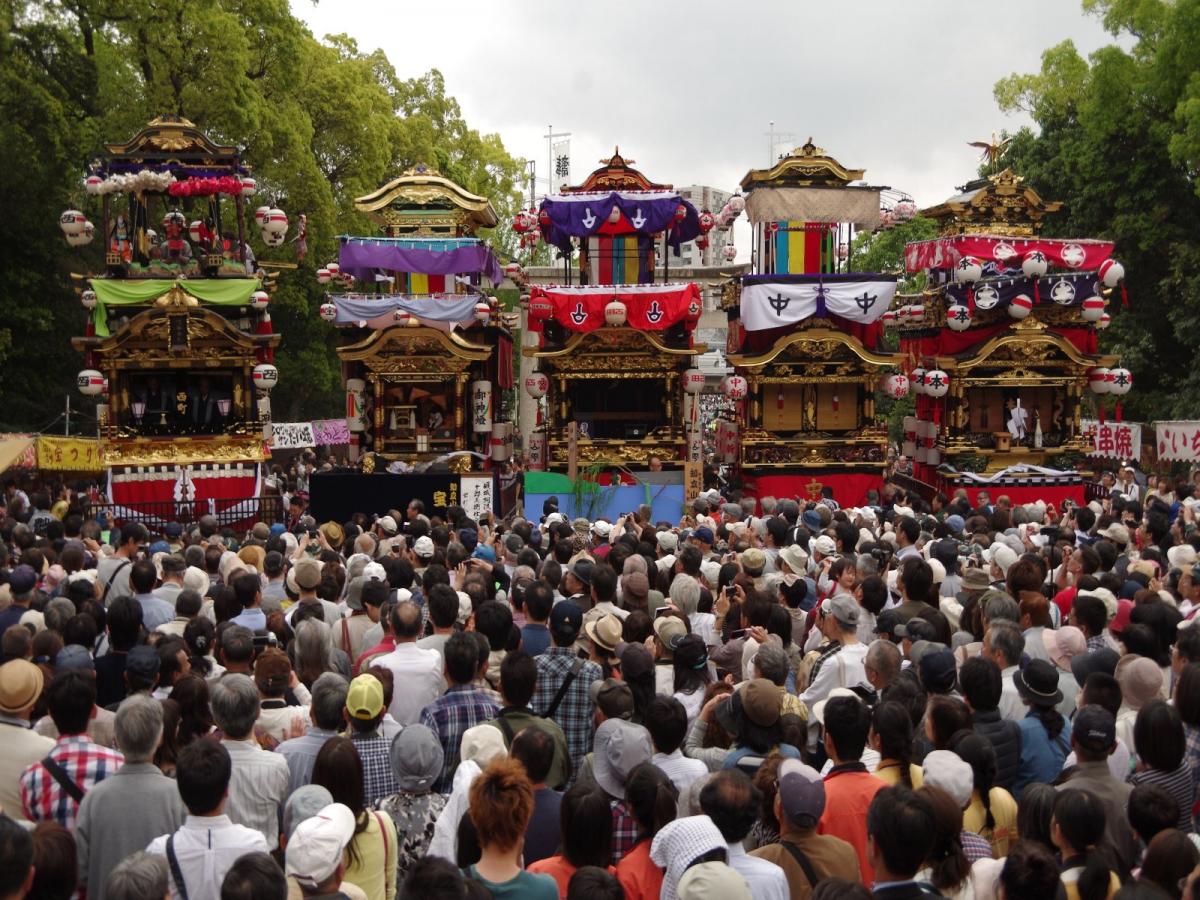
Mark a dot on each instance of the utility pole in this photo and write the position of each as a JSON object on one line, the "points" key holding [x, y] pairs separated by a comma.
{"points": [[550, 137], [774, 138], [532, 166]]}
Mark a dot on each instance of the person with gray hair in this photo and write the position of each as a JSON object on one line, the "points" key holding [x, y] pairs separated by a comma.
{"points": [[304, 803], [732, 512], [327, 710], [105, 831], [771, 663], [1003, 644], [57, 612], [138, 877], [684, 595], [999, 607], [260, 780], [882, 664], [768, 505]]}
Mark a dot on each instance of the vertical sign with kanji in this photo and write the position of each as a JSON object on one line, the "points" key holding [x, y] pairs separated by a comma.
{"points": [[476, 496]]}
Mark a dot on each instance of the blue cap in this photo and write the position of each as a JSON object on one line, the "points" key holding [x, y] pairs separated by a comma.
{"points": [[172, 529], [811, 520], [955, 524], [159, 547], [704, 534], [468, 538], [277, 529], [483, 551]]}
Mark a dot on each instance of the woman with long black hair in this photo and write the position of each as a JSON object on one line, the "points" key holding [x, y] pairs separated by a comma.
{"points": [[1044, 734], [892, 737], [1077, 829]]}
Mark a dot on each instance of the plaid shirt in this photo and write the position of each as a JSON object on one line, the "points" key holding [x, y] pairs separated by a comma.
{"points": [[624, 830], [449, 716], [575, 714], [975, 847], [379, 780], [86, 763], [1096, 642]]}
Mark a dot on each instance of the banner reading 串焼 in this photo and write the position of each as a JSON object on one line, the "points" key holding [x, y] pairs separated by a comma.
{"points": [[1179, 441], [1113, 440]]}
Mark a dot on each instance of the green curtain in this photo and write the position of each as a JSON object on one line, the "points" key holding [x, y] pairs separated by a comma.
{"points": [[130, 292]]}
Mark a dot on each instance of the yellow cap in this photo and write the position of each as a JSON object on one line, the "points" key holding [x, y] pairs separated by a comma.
{"points": [[365, 697]]}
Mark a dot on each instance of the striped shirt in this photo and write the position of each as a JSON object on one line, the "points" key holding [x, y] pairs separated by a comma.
{"points": [[86, 763]]}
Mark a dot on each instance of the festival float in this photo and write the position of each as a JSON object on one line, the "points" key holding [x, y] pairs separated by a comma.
{"points": [[1002, 346], [805, 335], [178, 345], [615, 339]]}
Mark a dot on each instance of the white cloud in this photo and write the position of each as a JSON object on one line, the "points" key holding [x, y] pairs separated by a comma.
{"points": [[897, 88]]}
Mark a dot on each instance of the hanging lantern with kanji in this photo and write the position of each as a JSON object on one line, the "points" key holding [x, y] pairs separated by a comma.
{"points": [[707, 221], [1034, 264], [90, 382], [71, 222], [266, 376], [1120, 382], [692, 380], [958, 317], [259, 300], [483, 312], [615, 313], [328, 312], [895, 385], [937, 383], [536, 385], [729, 251], [968, 270], [917, 379], [680, 213], [88, 299], [735, 387]]}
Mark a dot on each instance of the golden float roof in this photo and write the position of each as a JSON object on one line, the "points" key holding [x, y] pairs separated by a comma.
{"points": [[806, 166], [616, 174], [423, 186], [1017, 340], [412, 340], [1000, 204], [818, 344], [173, 136]]}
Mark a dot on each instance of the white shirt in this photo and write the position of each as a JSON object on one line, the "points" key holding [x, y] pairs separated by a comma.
{"points": [[444, 842], [843, 669], [705, 625], [682, 770], [1012, 707], [765, 879], [418, 677], [207, 847], [258, 787]]}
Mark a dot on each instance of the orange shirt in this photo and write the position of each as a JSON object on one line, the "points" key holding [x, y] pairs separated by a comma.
{"points": [[638, 874], [848, 794], [561, 871]]}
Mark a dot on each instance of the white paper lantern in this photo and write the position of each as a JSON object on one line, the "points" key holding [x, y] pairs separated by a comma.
{"points": [[917, 379], [271, 238], [481, 406], [92, 184], [402, 317], [1103, 322], [514, 271], [266, 376], [896, 385], [328, 312], [729, 251], [1120, 381], [1111, 273], [737, 203], [275, 221], [260, 214], [1020, 306], [195, 231], [536, 385], [735, 387], [1092, 309], [71, 222], [249, 186], [937, 383], [914, 312], [1034, 264], [693, 381], [323, 276], [968, 270], [905, 210], [334, 269], [615, 313], [259, 300], [90, 382], [84, 237], [88, 299], [537, 451], [483, 312], [890, 318], [1099, 380], [958, 317]]}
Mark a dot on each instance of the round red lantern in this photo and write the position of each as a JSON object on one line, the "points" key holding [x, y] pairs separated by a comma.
{"points": [[707, 221], [1099, 380], [680, 213], [328, 312], [540, 308], [1111, 273], [1092, 309], [1020, 306]]}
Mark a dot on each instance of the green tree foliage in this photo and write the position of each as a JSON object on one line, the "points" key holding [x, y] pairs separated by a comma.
{"points": [[1118, 139], [321, 121]]}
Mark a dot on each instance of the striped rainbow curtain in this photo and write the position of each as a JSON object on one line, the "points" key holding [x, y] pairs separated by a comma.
{"points": [[420, 283], [800, 248], [615, 260]]}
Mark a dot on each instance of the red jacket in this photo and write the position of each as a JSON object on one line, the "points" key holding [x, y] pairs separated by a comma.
{"points": [[849, 790]]}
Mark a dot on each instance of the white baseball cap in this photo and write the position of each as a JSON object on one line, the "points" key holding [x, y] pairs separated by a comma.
{"points": [[316, 846], [951, 773]]}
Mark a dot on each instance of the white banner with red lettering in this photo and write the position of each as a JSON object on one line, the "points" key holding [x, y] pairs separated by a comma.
{"points": [[1178, 440], [1114, 440]]}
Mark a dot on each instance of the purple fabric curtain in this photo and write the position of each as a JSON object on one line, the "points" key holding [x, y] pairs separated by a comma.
{"points": [[360, 259], [586, 215]]}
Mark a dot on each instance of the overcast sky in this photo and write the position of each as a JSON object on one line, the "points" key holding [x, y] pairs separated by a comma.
{"points": [[688, 89]]}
